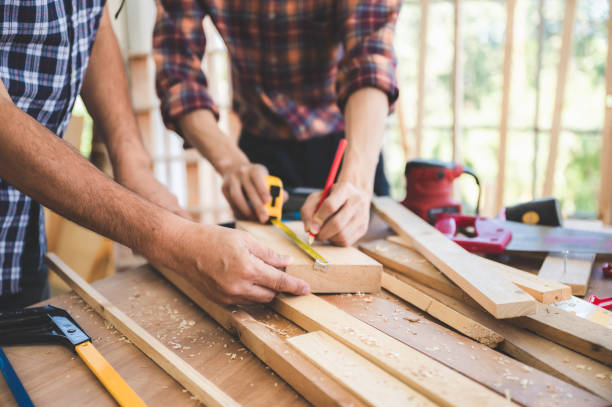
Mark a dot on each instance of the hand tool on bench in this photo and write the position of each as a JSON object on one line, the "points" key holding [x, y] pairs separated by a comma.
{"points": [[605, 303], [275, 212], [331, 177], [49, 324], [19, 392]]}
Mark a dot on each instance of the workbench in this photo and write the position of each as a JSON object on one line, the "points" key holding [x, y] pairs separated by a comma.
{"points": [[55, 376]]}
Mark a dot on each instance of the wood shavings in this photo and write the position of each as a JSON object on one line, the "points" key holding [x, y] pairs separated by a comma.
{"points": [[412, 319]]}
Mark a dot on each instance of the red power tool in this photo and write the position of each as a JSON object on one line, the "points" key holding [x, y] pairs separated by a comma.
{"points": [[429, 187]]}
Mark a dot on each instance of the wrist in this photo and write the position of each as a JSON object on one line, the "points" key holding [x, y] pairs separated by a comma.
{"points": [[358, 171]]}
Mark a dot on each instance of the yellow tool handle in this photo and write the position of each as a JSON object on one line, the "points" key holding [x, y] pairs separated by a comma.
{"points": [[116, 386], [275, 205]]}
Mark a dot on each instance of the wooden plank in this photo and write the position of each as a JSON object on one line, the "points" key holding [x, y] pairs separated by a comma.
{"points": [[497, 294], [436, 309], [348, 270], [505, 107], [458, 82], [543, 290], [371, 384], [537, 351], [422, 73], [605, 180], [555, 131], [575, 272], [175, 366], [434, 380], [308, 380], [573, 323]]}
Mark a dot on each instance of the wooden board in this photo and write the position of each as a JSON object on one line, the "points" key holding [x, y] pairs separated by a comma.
{"points": [[371, 384], [300, 373], [422, 75], [436, 309], [545, 291], [576, 275], [573, 323], [497, 294], [348, 270], [491, 368], [605, 170], [427, 376], [537, 351], [181, 371]]}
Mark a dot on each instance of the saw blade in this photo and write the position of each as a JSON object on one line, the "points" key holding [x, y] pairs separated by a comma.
{"points": [[306, 248]]}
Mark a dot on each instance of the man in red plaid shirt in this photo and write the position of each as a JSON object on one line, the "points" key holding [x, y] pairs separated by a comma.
{"points": [[305, 74]]}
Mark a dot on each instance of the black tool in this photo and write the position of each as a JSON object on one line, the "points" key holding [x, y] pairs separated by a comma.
{"points": [[545, 212]]}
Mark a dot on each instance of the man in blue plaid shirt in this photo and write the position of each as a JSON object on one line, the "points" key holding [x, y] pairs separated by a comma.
{"points": [[49, 53]]}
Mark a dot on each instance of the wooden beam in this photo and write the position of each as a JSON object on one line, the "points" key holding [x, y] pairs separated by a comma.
{"points": [[575, 271], [175, 366], [573, 323], [348, 270], [564, 61], [497, 294], [422, 73], [436, 309], [458, 82], [364, 379], [605, 163], [434, 380], [537, 351], [505, 107], [305, 378], [545, 291]]}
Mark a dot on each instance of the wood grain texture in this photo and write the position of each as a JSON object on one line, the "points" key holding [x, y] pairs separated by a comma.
{"points": [[371, 384], [573, 323], [501, 373], [562, 68], [436, 309], [176, 367], [348, 271], [543, 290], [434, 380], [311, 382], [537, 351], [497, 294], [576, 275]]}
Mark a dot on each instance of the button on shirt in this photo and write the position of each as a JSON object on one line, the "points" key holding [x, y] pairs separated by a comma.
{"points": [[44, 51], [294, 63]]}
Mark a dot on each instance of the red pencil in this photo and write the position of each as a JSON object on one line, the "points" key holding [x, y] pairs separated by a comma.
{"points": [[331, 177]]}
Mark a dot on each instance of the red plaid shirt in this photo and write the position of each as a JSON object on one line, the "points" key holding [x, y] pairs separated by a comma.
{"points": [[294, 63]]}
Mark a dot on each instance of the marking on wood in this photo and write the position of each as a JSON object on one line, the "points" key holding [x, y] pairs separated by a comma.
{"points": [[348, 270], [493, 291]]}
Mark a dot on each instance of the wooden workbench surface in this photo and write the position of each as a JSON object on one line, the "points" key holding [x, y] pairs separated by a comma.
{"points": [[55, 376]]}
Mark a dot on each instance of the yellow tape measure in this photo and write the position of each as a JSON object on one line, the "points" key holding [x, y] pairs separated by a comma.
{"points": [[275, 211]]}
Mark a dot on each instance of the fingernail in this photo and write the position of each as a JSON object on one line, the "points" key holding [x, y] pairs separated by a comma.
{"points": [[314, 228], [305, 289], [288, 259]]}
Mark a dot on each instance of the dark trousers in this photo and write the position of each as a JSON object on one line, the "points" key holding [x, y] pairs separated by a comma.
{"points": [[33, 291], [302, 163]]}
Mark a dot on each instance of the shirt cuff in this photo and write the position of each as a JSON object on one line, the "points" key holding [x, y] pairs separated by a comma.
{"points": [[183, 98], [374, 71]]}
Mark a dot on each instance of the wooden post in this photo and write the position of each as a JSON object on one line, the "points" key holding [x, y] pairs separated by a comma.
{"points": [[457, 83], [505, 109], [536, 117], [418, 130], [564, 60], [605, 186]]}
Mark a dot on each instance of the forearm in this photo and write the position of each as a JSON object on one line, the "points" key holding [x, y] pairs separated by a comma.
{"points": [[201, 130], [365, 114], [44, 167], [105, 93]]}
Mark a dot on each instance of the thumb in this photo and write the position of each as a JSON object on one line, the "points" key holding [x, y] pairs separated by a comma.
{"points": [[308, 210], [269, 256]]}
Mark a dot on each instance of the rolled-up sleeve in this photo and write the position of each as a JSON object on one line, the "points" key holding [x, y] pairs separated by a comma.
{"points": [[178, 47], [367, 32]]}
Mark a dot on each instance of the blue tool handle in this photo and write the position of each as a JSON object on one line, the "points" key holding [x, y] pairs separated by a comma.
{"points": [[19, 392]]}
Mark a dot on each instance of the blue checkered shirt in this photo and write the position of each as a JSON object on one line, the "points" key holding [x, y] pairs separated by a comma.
{"points": [[44, 51]]}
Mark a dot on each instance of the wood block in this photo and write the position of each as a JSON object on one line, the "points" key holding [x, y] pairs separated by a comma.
{"points": [[429, 377], [493, 291], [577, 275], [436, 309], [574, 323], [371, 384], [348, 270], [544, 290]]}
